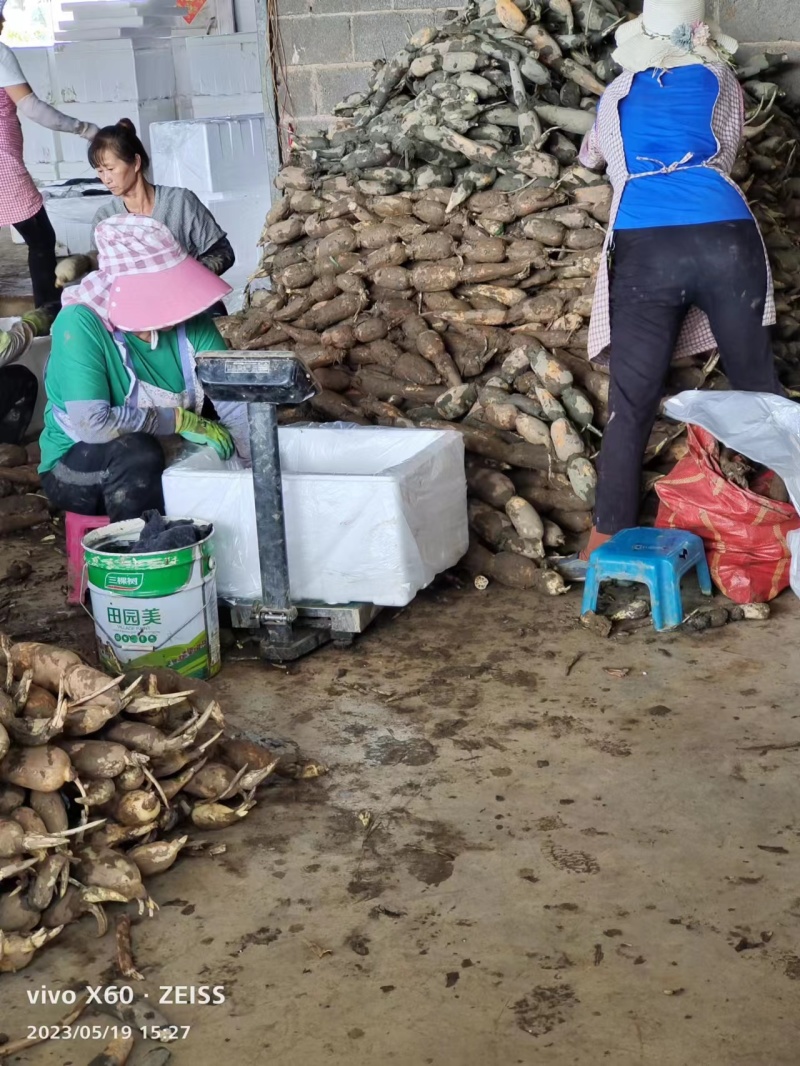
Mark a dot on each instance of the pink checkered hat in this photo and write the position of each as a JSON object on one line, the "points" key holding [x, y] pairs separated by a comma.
{"points": [[145, 279]]}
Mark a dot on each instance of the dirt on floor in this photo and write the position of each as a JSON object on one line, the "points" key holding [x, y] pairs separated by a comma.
{"points": [[533, 845]]}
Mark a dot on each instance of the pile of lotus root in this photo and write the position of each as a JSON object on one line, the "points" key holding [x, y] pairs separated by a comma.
{"points": [[99, 780]]}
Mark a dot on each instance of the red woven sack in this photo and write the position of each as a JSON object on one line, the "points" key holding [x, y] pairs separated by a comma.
{"points": [[744, 533]]}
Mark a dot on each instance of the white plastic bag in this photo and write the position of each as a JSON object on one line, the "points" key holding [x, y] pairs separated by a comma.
{"points": [[759, 425]]}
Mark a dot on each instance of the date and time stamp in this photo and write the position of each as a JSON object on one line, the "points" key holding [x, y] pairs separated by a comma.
{"points": [[118, 998]]}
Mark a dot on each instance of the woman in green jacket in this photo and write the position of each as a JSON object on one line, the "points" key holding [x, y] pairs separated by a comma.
{"points": [[122, 373]]}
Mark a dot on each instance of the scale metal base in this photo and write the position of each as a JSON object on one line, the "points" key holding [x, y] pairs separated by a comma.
{"points": [[314, 624]]}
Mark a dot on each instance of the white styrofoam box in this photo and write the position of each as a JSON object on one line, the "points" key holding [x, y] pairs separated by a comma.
{"points": [[72, 219], [62, 37], [35, 359], [75, 170], [111, 9], [245, 15], [41, 147], [142, 114], [210, 155], [372, 514], [242, 216], [37, 66], [120, 70], [225, 106], [122, 22], [180, 64], [223, 66]]}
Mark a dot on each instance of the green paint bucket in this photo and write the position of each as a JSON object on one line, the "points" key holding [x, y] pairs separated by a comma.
{"points": [[155, 609]]}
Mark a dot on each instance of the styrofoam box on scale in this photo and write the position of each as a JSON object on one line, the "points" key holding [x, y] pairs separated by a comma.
{"points": [[210, 155], [372, 514]]}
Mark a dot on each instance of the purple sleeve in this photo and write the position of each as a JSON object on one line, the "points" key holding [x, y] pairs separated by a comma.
{"points": [[96, 422]]}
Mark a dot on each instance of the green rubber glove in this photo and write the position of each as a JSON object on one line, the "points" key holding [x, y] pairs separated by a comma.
{"points": [[39, 320], [200, 431]]}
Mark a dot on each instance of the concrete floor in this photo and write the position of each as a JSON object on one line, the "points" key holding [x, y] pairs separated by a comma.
{"points": [[509, 862], [15, 280]]}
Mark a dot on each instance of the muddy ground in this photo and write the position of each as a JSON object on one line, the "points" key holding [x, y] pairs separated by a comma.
{"points": [[533, 845], [518, 855]]}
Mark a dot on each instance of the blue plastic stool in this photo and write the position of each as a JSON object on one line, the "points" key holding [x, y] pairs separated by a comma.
{"points": [[657, 558]]}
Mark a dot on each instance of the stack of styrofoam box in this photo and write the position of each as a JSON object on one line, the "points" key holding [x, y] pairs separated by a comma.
{"points": [[224, 162], [104, 82], [101, 20], [218, 76], [42, 151]]}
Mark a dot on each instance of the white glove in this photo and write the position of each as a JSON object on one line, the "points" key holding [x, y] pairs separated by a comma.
{"points": [[88, 131]]}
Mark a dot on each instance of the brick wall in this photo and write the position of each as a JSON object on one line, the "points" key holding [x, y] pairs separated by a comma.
{"points": [[329, 47]]}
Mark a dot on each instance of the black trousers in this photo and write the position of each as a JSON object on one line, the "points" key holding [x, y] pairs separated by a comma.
{"points": [[657, 275], [40, 237], [120, 479], [18, 391]]}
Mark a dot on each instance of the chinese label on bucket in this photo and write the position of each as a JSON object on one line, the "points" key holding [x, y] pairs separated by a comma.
{"points": [[158, 609]]}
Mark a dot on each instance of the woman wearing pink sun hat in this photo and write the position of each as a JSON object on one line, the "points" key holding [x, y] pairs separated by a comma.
{"points": [[122, 373]]}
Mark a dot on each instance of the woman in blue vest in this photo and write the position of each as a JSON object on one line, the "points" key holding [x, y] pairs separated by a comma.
{"points": [[685, 269]]}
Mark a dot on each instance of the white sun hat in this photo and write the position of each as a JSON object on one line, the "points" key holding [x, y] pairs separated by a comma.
{"points": [[671, 33]]}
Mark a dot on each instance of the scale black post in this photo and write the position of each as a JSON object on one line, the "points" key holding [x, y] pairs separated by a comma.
{"points": [[284, 630]]}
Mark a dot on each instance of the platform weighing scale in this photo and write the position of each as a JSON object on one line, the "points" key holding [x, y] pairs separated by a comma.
{"points": [[284, 630]]}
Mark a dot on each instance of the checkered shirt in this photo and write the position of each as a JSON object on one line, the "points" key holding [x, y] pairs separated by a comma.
{"points": [[603, 144], [19, 197], [126, 245]]}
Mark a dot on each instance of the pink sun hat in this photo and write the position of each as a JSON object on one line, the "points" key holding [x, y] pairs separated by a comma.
{"points": [[145, 280]]}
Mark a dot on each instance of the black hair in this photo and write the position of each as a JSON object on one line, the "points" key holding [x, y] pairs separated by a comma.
{"points": [[122, 140]]}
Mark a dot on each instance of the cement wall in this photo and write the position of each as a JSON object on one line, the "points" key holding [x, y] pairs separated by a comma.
{"points": [[766, 26], [329, 45]]}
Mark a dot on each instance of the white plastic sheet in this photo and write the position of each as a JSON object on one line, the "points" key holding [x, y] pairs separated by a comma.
{"points": [[372, 513], [758, 425]]}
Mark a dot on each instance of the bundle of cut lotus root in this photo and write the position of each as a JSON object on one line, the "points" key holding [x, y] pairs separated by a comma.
{"points": [[102, 783]]}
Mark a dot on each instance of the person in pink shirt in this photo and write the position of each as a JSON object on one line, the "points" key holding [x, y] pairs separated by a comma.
{"points": [[21, 204]]}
